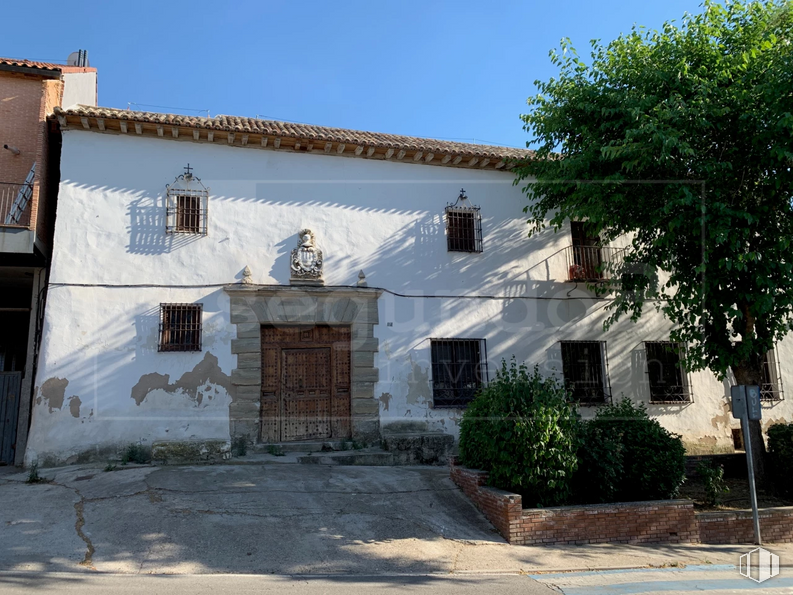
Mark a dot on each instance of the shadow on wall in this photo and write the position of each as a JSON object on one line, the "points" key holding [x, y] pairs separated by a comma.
{"points": [[147, 228]]}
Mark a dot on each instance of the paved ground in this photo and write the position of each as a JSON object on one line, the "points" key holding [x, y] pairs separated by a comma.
{"points": [[321, 525]]}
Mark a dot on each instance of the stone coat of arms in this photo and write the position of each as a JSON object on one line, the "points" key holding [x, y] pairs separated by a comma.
{"points": [[306, 263]]}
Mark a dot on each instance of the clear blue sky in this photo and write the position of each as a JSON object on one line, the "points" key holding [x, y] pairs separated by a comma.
{"points": [[435, 68]]}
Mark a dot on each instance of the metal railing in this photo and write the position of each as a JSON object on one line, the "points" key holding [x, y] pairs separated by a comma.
{"points": [[591, 263], [15, 204]]}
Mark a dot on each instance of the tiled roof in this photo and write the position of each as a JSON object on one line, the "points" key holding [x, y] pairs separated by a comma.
{"points": [[295, 136], [50, 66]]}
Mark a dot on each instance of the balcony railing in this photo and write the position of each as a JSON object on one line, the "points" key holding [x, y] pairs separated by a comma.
{"points": [[592, 263], [15, 204]]}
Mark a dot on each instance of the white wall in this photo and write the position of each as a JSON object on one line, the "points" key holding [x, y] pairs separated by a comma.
{"points": [[79, 88], [382, 217]]}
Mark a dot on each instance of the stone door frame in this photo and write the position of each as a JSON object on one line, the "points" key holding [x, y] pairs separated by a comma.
{"points": [[252, 306]]}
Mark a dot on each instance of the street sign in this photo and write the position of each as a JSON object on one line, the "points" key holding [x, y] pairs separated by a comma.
{"points": [[738, 394], [753, 408]]}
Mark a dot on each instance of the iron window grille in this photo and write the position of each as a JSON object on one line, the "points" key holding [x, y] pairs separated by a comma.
{"points": [[771, 380], [459, 369], [180, 327], [463, 226], [669, 381], [187, 205], [585, 370]]}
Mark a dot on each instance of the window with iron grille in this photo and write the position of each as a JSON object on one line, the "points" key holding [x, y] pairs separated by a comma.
{"points": [[180, 327], [459, 369], [771, 381], [585, 375], [187, 202], [463, 226], [668, 379]]}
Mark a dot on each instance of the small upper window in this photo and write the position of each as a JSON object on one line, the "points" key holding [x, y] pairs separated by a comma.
{"points": [[584, 369], [463, 226], [668, 379], [187, 200], [459, 368], [771, 387], [180, 327]]}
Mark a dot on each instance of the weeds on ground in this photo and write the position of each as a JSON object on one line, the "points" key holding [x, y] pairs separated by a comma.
{"points": [[136, 453], [275, 450], [713, 481], [34, 477], [110, 467], [239, 446]]}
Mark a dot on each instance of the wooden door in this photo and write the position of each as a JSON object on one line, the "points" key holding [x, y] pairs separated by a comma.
{"points": [[305, 394], [305, 383], [10, 383]]}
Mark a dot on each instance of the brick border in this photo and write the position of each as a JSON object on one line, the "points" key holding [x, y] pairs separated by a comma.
{"points": [[658, 521], [254, 305]]}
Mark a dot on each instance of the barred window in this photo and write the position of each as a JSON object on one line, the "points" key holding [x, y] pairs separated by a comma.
{"points": [[187, 202], [459, 368], [180, 327], [771, 381], [668, 379], [463, 226], [584, 367]]}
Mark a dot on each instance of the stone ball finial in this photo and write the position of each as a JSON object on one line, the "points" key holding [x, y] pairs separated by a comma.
{"points": [[362, 279]]}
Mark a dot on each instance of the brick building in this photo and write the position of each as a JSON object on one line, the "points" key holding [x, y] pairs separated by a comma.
{"points": [[29, 157]]}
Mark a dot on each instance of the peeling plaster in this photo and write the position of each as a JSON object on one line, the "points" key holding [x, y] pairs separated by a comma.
{"points": [[74, 406], [418, 385], [385, 399], [53, 391], [724, 418], [206, 374]]}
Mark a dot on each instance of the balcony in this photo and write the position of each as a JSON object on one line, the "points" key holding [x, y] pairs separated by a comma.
{"points": [[15, 204], [592, 264]]}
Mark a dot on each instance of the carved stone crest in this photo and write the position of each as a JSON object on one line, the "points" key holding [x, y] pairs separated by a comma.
{"points": [[306, 262]]}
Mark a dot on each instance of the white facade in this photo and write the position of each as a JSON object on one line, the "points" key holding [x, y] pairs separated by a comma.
{"points": [[101, 383]]}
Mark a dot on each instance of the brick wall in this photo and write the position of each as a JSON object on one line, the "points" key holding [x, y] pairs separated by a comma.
{"points": [[20, 124], [776, 526], [659, 521]]}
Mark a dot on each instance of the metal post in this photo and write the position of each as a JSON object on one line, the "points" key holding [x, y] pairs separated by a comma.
{"points": [[747, 439]]}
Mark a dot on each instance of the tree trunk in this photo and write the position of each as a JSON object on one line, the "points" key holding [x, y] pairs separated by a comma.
{"points": [[750, 374]]}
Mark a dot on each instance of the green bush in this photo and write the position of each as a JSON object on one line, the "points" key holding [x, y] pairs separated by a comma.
{"points": [[600, 467], [780, 457], [625, 456], [523, 431], [713, 480]]}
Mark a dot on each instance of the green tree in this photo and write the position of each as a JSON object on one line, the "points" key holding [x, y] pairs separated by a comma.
{"points": [[682, 141]]}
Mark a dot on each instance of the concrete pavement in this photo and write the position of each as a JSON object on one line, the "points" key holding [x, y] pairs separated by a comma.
{"points": [[282, 519]]}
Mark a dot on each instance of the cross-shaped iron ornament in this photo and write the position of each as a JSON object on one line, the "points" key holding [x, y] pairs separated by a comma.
{"points": [[188, 170]]}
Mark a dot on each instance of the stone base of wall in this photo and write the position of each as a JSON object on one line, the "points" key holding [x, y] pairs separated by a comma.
{"points": [[658, 521], [418, 449], [776, 526], [190, 451]]}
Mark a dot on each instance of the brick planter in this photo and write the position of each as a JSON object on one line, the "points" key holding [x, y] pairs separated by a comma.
{"points": [[658, 521]]}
